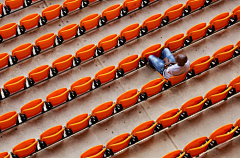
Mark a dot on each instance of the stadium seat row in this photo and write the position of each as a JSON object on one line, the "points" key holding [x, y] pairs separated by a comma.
{"points": [[129, 33], [192, 107]]}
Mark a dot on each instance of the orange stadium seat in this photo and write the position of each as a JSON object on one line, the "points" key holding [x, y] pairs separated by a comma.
{"points": [[46, 41], [8, 120], [72, 5], [82, 85], [168, 118], [86, 52], [40, 73], [23, 51], [63, 63], [198, 31], [144, 130], [111, 12], [236, 13], [152, 50], [90, 21], [8, 30], [106, 74], [4, 155], [52, 135], [58, 96], [52, 12], [1, 9], [68, 31], [30, 21], [119, 142], [103, 111], [237, 123], [220, 21], [175, 42], [14, 4], [174, 154], [235, 83], [152, 22], [25, 148], [174, 12], [131, 4], [108, 42], [15, 84], [130, 32], [78, 123], [218, 93], [4, 59], [129, 63], [224, 53], [32, 108], [175, 79], [201, 64], [153, 87], [94, 152], [128, 98], [195, 4], [197, 146]]}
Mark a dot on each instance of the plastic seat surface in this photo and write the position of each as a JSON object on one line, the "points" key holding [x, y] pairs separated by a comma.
{"points": [[153, 21], [224, 53], [52, 135], [195, 4], [63, 62], [25, 148], [201, 64], [221, 20], [8, 120], [30, 21], [236, 12], [144, 130], [106, 74], [78, 123], [8, 30], [1, 8], [129, 63], [52, 11], [175, 42], [15, 84], [237, 123], [104, 110], [174, 12], [173, 154], [119, 142], [193, 105], [23, 51], [82, 85], [40, 73], [86, 52], [94, 152], [198, 31], [68, 31], [168, 118], [4, 58], [45, 41], [177, 79], [132, 4], [235, 83], [90, 21], [32, 108], [130, 31], [112, 12], [128, 98], [108, 42], [14, 4], [4, 155], [58, 96], [152, 50], [72, 5], [153, 87]]}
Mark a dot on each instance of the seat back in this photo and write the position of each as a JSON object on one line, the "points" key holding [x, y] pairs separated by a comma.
{"points": [[82, 85], [52, 11], [8, 30], [144, 130], [8, 120], [152, 50], [15, 84], [236, 12], [23, 51], [4, 58], [130, 31], [175, 42], [112, 12], [173, 154], [223, 133], [198, 31], [40, 73], [78, 123], [128, 98], [201, 64], [132, 4], [52, 135], [1, 11], [104, 110], [90, 21], [106, 74], [195, 4], [14, 4], [94, 152], [224, 53], [72, 5], [168, 118], [4, 155], [153, 21], [119, 142], [235, 83], [30, 21], [108, 42], [86, 52], [177, 79], [58, 96], [32, 108], [46, 41], [129, 63], [25, 148], [68, 31], [63, 62], [174, 12], [220, 21], [218, 93], [153, 87]]}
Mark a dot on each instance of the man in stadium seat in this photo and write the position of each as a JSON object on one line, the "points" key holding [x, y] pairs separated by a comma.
{"points": [[168, 65]]}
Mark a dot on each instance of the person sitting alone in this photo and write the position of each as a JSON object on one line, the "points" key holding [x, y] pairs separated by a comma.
{"points": [[168, 65]]}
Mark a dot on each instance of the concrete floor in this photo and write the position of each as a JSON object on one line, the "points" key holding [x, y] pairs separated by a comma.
{"points": [[157, 146]]}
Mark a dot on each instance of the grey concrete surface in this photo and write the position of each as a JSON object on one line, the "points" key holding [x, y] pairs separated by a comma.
{"points": [[157, 146]]}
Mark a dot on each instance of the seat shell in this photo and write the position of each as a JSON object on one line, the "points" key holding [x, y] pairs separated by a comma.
{"points": [[152, 50], [174, 12], [68, 31], [128, 98], [63, 62], [86, 52], [4, 155], [15, 84], [168, 118], [4, 59], [173, 154], [175, 42], [8, 30], [119, 142], [23, 51], [52, 135], [46, 41], [144, 129], [108, 42], [52, 11], [25, 148], [153, 87], [220, 21], [132, 4], [112, 12], [90, 21], [201, 64], [106, 74], [195, 4], [30, 21], [8, 120], [78, 123], [198, 31], [235, 83], [94, 152], [58, 96], [130, 32], [82, 85], [176, 79], [1, 9], [130, 63], [32, 108], [72, 5], [40, 73], [104, 110], [225, 53], [153, 22], [236, 12], [14, 4]]}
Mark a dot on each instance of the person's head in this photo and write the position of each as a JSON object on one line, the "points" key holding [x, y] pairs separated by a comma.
{"points": [[181, 59]]}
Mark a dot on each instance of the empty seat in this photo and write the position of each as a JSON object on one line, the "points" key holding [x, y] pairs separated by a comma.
{"points": [[40, 73], [90, 21], [198, 31], [130, 32], [58, 96], [201, 64], [25, 148], [174, 12], [68, 31], [175, 42], [153, 87], [52, 11], [197, 146], [220, 21], [94, 152], [130, 63], [132, 4], [144, 130], [78, 123], [14, 4], [32, 108], [72, 5], [86, 52], [193, 105], [23, 51], [218, 93], [223, 133], [168, 118], [46, 41], [128, 98], [63, 62], [8, 30], [108, 42], [4, 59], [235, 83], [119, 142], [15, 84], [112, 12], [106, 74], [195, 4], [152, 22], [4, 155], [224, 53], [152, 50], [30, 21], [52, 135], [8, 120], [103, 111], [82, 85], [236, 12], [174, 154]]}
